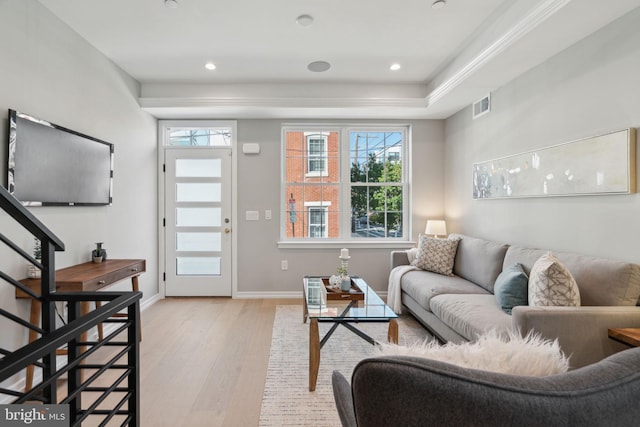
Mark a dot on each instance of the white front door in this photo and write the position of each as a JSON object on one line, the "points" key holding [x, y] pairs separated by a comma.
{"points": [[198, 221]]}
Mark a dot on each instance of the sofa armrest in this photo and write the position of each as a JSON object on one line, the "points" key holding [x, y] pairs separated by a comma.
{"points": [[399, 258], [413, 392], [343, 399], [581, 331]]}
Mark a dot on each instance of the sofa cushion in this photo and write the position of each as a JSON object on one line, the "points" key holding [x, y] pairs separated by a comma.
{"points": [[551, 284], [478, 260], [424, 285], [471, 315], [600, 281], [436, 255], [511, 288]]}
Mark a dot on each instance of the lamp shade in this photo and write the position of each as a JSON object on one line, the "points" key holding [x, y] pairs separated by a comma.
{"points": [[436, 227]]}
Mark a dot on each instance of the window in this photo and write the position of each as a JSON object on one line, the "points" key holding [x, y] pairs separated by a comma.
{"points": [[317, 222], [198, 137], [344, 183], [377, 188], [317, 154]]}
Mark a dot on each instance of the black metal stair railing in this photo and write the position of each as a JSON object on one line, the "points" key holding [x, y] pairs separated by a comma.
{"points": [[95, 371]]}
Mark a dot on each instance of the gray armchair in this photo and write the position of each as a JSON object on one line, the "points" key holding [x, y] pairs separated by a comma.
{"points": [[407, 391]]}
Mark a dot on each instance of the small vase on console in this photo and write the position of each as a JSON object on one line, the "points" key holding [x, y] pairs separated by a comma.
{"points": [[99, 254]]}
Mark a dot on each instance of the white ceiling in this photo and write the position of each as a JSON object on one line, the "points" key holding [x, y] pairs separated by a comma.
{"points": [[449, 56]]}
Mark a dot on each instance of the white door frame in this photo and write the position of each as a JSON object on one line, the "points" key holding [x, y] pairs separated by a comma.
{"points": [[162, 126]]}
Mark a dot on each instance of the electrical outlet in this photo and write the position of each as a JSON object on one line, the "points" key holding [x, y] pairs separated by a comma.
{"points": [[285, 264]]}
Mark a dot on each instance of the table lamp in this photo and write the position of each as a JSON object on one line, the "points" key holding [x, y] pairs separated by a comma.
{"points": [[436, 228]]}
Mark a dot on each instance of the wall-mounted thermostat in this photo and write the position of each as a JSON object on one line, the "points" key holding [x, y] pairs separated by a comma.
{"points": [[251, 148]]}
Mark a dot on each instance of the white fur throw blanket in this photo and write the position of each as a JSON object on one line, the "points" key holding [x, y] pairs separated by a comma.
{"points": [[514, 355], [394, 291]]}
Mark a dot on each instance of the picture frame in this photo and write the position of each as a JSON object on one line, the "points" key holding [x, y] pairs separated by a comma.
{"points": [[603, 164]]}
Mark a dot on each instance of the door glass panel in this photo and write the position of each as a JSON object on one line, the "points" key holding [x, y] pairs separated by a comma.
{"points": [[198, 168], [198, 192], [198, 217], [198, 242], [198, 266]]}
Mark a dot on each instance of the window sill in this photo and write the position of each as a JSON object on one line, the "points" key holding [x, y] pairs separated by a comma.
{"points": [[338, 244]]}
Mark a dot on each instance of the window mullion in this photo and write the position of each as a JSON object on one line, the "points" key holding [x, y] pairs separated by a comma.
{"points": [[345, 186]]}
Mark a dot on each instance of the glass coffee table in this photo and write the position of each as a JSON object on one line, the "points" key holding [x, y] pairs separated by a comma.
{"points": [[359, 305]]}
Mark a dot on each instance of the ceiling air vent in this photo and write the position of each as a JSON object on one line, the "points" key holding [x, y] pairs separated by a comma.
{"points": [[481, 106]]}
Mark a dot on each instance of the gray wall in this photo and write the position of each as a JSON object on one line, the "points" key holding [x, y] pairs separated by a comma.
{"points": [[259, 189], [589, 89], [48, 71]]}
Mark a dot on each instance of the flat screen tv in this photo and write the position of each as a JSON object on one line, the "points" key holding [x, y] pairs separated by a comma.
{"points": [[50, 165]]}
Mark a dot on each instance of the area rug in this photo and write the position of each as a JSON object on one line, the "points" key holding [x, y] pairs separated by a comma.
{"points": [[286, 400]]}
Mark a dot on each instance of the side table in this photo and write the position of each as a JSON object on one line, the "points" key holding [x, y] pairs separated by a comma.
{"points": [[630, 336]]}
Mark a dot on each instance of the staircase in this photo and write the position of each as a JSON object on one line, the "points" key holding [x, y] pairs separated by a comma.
{"points": [[104, 393]]}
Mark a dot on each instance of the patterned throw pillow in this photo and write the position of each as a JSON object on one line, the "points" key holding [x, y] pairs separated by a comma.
{"points": [[550, 283], [436, 255]]}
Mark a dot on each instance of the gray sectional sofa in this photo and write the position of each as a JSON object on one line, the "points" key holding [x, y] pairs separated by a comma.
{"points": [[460, 307]]}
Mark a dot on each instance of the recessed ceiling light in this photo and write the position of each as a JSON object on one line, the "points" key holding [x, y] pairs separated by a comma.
{"points": [[438, 4], [319, 66], [304, 20], [173, 4], [395, 67], [210, 66]]}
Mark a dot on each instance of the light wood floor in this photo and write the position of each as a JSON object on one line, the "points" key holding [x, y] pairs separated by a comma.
{"points": [[203, 362]]}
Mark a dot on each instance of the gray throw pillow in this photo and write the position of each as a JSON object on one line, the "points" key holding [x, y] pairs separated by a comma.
{"points": [[511, 288]]}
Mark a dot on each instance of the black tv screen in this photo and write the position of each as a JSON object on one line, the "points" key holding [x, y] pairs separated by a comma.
{"points": [[50, 165]]}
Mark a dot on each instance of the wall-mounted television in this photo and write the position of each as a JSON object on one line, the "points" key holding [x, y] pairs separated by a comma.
{"points": [[50, 165]]}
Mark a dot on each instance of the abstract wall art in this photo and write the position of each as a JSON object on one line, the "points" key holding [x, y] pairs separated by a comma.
{"points": [[603, 164]]}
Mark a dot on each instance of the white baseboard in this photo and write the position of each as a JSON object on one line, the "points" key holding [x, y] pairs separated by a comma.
{"points": [[269, 295], [61, 360], [149, 302], [280, 294]]}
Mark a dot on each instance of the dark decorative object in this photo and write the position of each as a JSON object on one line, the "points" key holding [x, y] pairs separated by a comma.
{"points": [[98, 253]]}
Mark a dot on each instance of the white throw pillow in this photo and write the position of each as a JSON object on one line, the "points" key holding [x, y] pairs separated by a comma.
{"points": [[436, 255], [551, 284], [514, 355]]}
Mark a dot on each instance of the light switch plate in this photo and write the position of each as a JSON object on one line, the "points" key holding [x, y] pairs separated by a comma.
{"points": [[267, 214], [252, 215]]}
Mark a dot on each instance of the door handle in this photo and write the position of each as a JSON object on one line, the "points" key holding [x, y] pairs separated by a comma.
{"points": [[227, 230]]}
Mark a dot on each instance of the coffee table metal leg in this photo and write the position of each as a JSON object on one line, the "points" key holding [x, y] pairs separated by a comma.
{"points": [[314, 353], [392, 334]]}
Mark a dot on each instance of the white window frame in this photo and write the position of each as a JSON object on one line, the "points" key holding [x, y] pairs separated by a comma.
{"points": [[345, 238]]}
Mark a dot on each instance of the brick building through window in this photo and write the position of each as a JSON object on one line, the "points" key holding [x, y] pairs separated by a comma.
{"points": [[312, 176]]}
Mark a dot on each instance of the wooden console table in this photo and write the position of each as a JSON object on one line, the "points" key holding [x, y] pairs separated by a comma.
{"points": [[84, 277]]}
